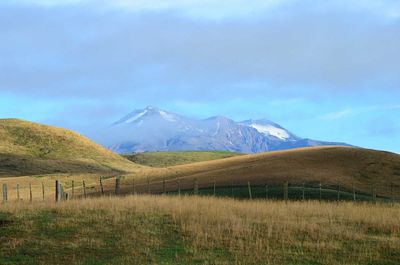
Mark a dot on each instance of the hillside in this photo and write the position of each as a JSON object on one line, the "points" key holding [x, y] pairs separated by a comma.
{"points": [[343, 166], [28, 148], [166, 159]]}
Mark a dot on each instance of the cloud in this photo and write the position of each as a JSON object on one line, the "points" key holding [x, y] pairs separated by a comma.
{"points": [[76, 52], [337, 115], [216, 9]]}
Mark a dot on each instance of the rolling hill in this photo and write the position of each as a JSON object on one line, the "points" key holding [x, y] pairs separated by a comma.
{"points": [[28, 148], [332, 165]]}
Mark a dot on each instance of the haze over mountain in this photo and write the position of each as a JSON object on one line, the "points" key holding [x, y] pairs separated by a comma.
{"points": [[153, 129]]}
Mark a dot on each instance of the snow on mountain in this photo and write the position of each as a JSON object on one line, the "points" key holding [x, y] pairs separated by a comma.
{"points": [[153, 129]]}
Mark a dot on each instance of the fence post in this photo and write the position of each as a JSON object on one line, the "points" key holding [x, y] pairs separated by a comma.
{"points": [[117, 185], [391, 193], [354, 192], [43, 191], [266, 191], [5, 193], [164, 187], [84, 188], [17, 192], [61, 193], [373, 193], [72, 190], [195, 187], [320, 191], [179, 187], [57, 191], [285, 191], [249, 188], [215, 184], [101, 186], [30, 192], [232, 188]]}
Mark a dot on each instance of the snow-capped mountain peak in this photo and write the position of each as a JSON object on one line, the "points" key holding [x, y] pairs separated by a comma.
{"points": [[138, 115], [271, 131], [153, 129]]}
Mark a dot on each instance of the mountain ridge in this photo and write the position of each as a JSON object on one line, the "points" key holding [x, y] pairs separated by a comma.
{"points": [[153, 129]]}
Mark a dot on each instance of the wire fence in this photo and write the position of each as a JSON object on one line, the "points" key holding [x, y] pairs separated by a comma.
{"points": [[185, 186]]}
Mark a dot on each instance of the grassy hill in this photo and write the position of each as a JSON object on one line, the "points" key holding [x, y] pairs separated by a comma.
{"points": [[166, 159], [28, 148], [345, 166]]}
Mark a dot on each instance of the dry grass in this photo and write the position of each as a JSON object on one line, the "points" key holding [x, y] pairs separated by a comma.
{"points": [[193, 230], [330, 165], [28, 148]]}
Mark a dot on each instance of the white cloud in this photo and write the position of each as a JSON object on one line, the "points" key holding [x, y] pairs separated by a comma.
{"points": [[337, 115], [216, 9]]}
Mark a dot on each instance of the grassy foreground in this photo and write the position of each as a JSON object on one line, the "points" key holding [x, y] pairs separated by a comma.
{"points": [[166, 159], [198, 230]]}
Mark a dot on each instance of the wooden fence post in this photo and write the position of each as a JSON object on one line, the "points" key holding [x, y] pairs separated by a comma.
{"points": [[57, 191], [354, 192], [285, 191], [232, 188], [17, 192], [5, 193], [179, 187], [373, 193], [72, 190], [391, 192], [117, 185], [249, 188], [30, 192], [43, 191], [84, 188], [215, 187], [195, 187], [320, 191], [266, 191], [164, 187], [101, 186], [61, 192], [303, 195]]}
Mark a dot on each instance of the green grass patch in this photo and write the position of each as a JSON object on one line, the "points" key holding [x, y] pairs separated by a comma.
{"points": [[165, 159]]}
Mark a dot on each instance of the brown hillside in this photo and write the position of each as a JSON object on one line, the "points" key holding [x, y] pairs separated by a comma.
{"points": [[28, 148]]}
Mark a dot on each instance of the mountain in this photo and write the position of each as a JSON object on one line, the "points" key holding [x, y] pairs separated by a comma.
{"points": [[28, 148], [153, 129]]}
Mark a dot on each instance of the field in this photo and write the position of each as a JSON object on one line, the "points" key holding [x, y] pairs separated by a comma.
{"points": [[167, 159], [187, 229], [198, 230]]}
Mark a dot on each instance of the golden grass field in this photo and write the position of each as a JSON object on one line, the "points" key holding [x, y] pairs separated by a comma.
{"points": [[143, 229], [198, 230]]}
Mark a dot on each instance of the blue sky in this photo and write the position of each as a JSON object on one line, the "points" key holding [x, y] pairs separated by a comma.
{"points": [[327, 70]]}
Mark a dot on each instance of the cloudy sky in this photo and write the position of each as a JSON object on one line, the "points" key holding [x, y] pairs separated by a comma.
{"points": [[327, 70]]}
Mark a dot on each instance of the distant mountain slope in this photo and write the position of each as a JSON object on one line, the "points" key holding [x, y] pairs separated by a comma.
{"points": [[153, 129], [28, 148]]}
